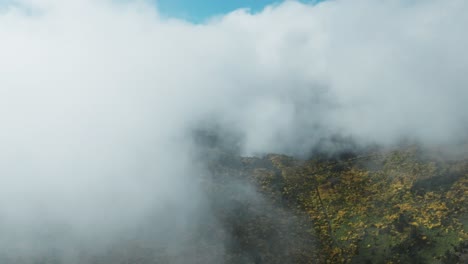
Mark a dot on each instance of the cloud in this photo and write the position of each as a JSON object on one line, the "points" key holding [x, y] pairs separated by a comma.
{"points": [[98, 99]]}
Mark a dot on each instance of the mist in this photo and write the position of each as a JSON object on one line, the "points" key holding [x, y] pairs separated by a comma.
{"points": [[99, 101]]}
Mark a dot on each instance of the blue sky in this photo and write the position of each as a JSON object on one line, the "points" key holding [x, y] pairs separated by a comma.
{"points": [[199, 10]]}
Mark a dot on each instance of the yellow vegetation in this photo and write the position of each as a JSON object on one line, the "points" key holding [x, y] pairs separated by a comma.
{"points": [[376, 215]]}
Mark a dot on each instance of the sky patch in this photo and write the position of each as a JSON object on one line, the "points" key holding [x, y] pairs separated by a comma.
{"points": [[199, 11]]}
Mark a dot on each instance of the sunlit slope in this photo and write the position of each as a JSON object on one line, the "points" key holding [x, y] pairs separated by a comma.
{"points": [[403, 206]]}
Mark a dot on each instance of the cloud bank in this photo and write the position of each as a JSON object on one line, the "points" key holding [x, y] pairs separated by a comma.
{"points": [[99, 99]]}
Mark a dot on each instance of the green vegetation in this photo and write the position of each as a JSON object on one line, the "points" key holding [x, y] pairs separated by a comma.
{"points": [[403, 206], [384, 207]]}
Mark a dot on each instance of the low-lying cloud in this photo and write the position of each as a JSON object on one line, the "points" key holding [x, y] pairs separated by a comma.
{"points": [[99, 99]]}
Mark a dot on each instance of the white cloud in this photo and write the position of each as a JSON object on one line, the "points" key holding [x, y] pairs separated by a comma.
{"points": [[97, 97]]}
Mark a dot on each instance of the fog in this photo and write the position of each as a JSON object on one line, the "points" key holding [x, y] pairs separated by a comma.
{"points": [[99, 101]]}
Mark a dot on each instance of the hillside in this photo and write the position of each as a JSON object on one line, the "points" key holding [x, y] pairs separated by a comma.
{"points": [[399, 206], [379, 206]]}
